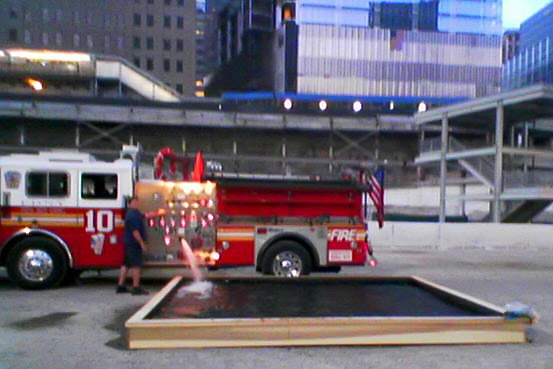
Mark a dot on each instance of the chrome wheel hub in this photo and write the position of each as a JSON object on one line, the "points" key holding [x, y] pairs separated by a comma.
{"points": [[36, 265], [287, 264]]}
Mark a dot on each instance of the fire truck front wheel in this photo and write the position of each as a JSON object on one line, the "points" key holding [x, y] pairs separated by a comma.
{"points": [[286, 259], [36, 263]]}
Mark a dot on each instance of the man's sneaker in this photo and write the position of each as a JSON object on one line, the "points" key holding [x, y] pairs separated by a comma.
{"points": [[139, 291], [122, 289]]}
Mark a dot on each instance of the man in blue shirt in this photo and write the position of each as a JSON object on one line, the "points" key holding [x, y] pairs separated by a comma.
{"points": [[134, 241]]}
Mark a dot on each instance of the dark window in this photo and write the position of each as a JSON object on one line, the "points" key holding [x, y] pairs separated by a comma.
{"points": [[167, 2], [166, 44], [47, 184], [136, 62], [150, 20], [12, 35], [179, 66], [13, 13], [180, 22], [98, 186], [180, 45], [180, 2], [150, 1], [150, 43], [167, 21], [136, 42], [149, 64], [137, 19], [166, 65], [179, 88]]}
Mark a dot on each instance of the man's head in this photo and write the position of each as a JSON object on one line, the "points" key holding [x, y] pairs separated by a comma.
{"points": [[133, 202]]}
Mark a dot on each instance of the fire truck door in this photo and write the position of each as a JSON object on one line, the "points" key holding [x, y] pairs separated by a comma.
{"points": [[101, 202]]}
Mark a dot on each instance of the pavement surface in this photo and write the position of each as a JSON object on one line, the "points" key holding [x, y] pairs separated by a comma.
{"points": [[82, 326]]}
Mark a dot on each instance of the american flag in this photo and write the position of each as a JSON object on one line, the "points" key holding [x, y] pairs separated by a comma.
{"points": [[376, 193]]}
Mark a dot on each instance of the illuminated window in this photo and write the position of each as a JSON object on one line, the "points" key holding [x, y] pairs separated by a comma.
{"points": [[199, 83], [199, 93]]}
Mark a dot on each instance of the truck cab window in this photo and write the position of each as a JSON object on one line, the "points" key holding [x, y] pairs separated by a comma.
{"points": [[47, 184], [99, 186]]}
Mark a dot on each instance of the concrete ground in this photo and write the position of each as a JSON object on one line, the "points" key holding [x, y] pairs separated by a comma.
{"points": [[82, 326]]}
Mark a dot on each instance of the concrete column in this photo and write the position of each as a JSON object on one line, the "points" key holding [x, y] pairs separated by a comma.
{"points": [[77, 135], [498, 175], [443, 165]]}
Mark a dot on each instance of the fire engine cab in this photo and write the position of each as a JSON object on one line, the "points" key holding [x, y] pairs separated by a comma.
{"points": [[63, 212]]}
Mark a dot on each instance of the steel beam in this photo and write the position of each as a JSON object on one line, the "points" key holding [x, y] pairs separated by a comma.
{"points": [[498, 175]]}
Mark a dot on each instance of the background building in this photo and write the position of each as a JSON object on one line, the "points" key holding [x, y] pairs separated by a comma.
{"points": [[510, 45], [471, 16], [360, 48], [534, 63], [158, 36], [362, 61]]}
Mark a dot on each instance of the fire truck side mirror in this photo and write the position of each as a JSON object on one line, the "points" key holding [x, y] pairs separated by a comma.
{"points": [[6, 199]]}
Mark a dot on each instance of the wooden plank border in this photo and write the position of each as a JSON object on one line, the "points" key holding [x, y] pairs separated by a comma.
{"points": [[243, 332]]}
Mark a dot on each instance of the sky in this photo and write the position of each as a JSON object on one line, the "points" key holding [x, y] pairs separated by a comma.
{"points": [[517, 11]]}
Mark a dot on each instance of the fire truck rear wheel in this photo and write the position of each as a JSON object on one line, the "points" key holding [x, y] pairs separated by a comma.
{"points": [[286, 259], [36, 263]]}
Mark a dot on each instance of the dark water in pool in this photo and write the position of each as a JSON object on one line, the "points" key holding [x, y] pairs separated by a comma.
{"points": [[312, 298]]}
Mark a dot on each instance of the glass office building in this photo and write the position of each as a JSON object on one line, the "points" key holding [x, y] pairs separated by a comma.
{"points": [[534, 63], [459, 16], [471, 16]]}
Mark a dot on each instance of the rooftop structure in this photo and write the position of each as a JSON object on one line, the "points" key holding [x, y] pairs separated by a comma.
{"points": [[155, 35]]}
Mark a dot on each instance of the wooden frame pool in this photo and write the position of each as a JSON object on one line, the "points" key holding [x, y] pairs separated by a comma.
{"points": [[240, 318]]}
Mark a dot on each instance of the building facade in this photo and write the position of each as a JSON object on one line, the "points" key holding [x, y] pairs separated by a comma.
{"points": [[158, 36], [534, 62], [471, 16], [457, 16], [378, 62]]}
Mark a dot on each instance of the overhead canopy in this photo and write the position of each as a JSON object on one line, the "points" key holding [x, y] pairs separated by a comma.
{"points": [[522, 105]]}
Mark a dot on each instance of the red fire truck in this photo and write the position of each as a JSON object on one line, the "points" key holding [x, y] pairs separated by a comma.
{"points": [[63, 212]]}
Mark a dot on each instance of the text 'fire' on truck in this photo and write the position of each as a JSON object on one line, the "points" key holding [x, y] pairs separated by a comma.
{"points": [[62, 212]]}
